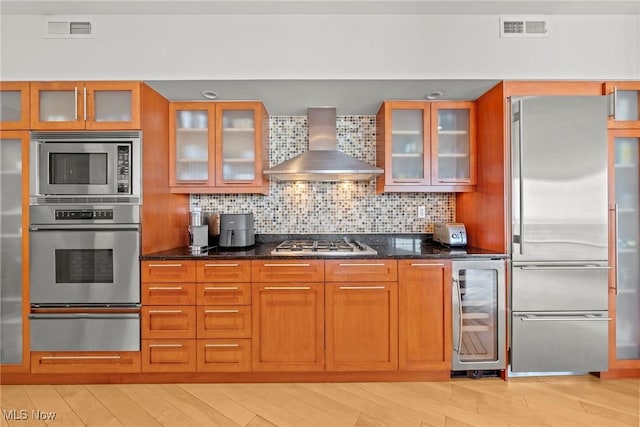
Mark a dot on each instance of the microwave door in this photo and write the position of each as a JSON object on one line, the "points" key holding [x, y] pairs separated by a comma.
{"points": [[76, 168]]}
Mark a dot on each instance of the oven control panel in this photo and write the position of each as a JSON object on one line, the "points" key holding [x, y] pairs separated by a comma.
{"points": [[124, 169], [89, 214]]}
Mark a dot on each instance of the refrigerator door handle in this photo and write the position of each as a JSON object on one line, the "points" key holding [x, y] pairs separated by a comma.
{"points": [[562, 318], [615, 236], [457, 326], [565, 267]]}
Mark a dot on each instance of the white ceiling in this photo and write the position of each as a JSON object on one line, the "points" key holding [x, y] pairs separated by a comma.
{"points": [[331, 7]]}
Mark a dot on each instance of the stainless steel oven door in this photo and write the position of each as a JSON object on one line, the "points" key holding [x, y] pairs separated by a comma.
{"points": [[85, 264]]}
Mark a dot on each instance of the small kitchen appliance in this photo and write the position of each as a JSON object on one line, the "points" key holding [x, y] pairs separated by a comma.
{"points": [[236, 230], [323, 248], [450, 233], [198, 233]]}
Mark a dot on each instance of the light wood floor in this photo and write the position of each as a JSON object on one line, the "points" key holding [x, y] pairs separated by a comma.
{"points": [[542, 401]]}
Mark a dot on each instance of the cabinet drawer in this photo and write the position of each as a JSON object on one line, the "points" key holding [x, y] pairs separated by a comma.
{"points": [[361, 270], [90, 362], [165, 321], [223, 293], [168, 355], [223, 271], [168, 271], [224, 322], [224, 355], [288, 271], [168, 293]]}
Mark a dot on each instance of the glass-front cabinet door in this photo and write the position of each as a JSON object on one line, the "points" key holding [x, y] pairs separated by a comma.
{"points": [[624, 104], [14, 105], [85, 105], [625, 283], [238, 147], [452, 143], [191, 142]]}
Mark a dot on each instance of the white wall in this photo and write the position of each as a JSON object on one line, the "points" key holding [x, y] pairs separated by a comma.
{"points": [[319, 46]]}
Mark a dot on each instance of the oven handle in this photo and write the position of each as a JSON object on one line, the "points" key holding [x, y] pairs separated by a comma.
{"points": [[83, 316], [85, 227]]}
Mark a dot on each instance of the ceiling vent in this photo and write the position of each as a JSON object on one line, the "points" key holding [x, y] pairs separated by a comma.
{"points": [[524, 27], [68, 27]]}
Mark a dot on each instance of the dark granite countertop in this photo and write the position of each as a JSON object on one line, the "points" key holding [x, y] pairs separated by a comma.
{"points": [[398, 246]]}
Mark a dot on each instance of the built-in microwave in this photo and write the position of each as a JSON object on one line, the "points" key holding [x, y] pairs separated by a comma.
{"points": [[85, 164]]}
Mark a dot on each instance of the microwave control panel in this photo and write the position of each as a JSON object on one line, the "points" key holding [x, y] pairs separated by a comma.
{"points": [[88, 214], [123, 171]]}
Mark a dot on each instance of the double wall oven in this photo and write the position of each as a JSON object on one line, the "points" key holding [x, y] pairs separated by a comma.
{"points": [[85, 241]]}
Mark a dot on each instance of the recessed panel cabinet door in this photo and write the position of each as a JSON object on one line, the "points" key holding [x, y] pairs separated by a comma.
{"points": [[14, 105]]}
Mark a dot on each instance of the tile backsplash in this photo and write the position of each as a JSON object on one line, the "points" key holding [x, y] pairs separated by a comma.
{"points": [[330, 207]]}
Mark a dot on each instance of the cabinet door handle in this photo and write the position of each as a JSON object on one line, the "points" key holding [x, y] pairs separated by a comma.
{"points": [[165, 288], [165, 311], [363, 264], [406, 181], [427, 265], [165, 345], [221, 288], [287, 265], [221, 265], [85, 102], [115, 356], [164, 265], [287, 288], [75, 108], [223, 311], [222, 345], [362, 287]]}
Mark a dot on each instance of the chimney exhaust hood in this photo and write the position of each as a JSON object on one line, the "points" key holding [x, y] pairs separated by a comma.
{"points": [[323, 161]]}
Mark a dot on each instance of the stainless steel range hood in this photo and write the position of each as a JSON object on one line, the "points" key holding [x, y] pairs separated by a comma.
{"points": [[323, 161]]}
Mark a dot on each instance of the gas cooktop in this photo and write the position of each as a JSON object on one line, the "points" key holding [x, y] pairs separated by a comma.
{"points": [[323, 248]]}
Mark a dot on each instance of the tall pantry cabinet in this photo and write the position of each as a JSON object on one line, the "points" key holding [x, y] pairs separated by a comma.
{"points": [[624, 241]]}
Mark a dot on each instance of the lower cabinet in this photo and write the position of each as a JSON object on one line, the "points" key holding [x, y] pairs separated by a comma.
{"points": [[223, 355], [85, 362], [169, 355], [362, 326]]}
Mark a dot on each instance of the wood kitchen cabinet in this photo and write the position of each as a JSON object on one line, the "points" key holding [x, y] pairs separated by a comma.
{"points": [[218, 147], [14, 105], [426, 146], [224, 315], [111, 105], [624, 104], [361, 315], [288, 315], [168, 331], [424, 307]]}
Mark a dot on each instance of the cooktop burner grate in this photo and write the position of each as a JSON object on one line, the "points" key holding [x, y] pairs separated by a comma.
{"points": [[322, 247]]}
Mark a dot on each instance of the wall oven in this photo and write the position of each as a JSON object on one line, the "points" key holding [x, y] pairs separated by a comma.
{"points": [[85, 164]]}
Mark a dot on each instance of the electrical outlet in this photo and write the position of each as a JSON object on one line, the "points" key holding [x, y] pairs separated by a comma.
{"points": [[422, 212]]}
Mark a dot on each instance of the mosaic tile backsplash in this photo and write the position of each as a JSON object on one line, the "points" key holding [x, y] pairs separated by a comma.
{"points": [[330, 207]]}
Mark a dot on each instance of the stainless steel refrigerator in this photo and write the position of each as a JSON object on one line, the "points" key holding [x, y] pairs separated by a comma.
{"points": [[559, 253]]}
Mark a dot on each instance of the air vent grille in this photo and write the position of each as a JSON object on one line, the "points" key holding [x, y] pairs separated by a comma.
{"points": [[70, 27], [524, 27]]}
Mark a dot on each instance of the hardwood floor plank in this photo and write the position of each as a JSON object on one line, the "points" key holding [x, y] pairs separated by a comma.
{"points": [[613, 417], [17, 400], [52, 408], [125, 409], [258, 421], [162, 410], [341, 411], [214, 396], [196, 408], [87, 406]]}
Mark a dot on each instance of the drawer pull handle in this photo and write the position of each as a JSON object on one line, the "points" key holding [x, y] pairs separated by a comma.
{"points": [[221, 288], [362, 287], [426, 265], [165, 288], [287, 288], [221, 265], [223, 311], [165, 311], [164, 265], [287, 265], [362, 264], [165, 345], [116, 356], [222, 345]]}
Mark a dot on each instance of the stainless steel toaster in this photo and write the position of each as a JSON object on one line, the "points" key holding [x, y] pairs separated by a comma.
{"points": [[450, 233]]}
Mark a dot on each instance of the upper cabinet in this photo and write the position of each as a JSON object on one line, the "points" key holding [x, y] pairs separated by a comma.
{"points": [[14, 105], [85, 105], [624, 104], [218, 147], [426, 146]]}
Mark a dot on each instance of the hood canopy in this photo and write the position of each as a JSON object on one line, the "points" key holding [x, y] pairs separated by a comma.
{"points": [[323, 161]]}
